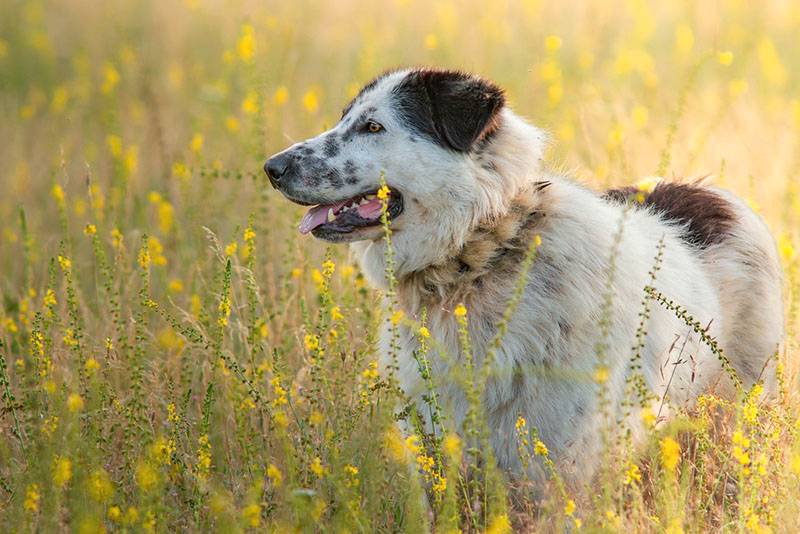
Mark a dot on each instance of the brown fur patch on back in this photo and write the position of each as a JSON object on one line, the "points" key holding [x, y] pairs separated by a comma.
{"points": [[491, 255], [708, 217]]}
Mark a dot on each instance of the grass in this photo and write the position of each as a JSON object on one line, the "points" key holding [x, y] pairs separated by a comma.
{"points": [[173, 356]]}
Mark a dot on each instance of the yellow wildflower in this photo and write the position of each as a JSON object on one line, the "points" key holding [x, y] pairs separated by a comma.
{"points": [[786, 249], [246, 46], [131, 516], [317, 468], [648, 417], [396, 317], [460, 311], [499, 525], [371, 372], [552, 43], [311, 101], [58, 194], [540, 449], [601, 374], [431, 41], [275, 475], [684, 39], [75, 403], [280, 96], [311, 342], [670, 453], [196, 144], [175, 286], [181, 171], [91, 365], [114, 514], [32, 498], [383, 193], [146, 476], [252, 515], [230, 250], [395, 446], [131, 160], [232, 123], [675, 527], [99, 485], [110, 78], [316, 418], [62, 471], [632, 474], [424, 332], [250, 103], [725, 58]]}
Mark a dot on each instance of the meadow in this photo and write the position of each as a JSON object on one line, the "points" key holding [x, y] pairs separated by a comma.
{"points": [[174, 356]]}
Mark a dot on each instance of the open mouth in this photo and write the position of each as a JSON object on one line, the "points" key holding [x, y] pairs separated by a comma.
{"points": [[346, 216]]}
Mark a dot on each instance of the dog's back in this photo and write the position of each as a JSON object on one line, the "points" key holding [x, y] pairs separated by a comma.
{"points": [[740, 256]]}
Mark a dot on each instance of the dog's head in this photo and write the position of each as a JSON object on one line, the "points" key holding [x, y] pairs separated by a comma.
{"points": [[429, 133]]}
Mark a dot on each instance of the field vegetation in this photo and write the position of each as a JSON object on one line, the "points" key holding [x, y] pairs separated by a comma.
{"points": [[174, 356]]}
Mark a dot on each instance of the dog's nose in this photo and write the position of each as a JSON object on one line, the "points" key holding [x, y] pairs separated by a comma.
{"points": [[276, 167]]}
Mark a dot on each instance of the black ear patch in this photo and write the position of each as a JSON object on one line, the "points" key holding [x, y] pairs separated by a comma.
{"points": [[451, 108]]}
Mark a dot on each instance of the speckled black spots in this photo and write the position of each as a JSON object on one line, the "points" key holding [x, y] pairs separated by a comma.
{"points": [[312, 180], [350, 172], [330, 148], [332, 177], [354, 127], [306, 150], [452, 109], [412, 139]]}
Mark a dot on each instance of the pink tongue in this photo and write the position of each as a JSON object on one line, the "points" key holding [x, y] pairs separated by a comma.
{"points": [[318, 215], [371, 210]]}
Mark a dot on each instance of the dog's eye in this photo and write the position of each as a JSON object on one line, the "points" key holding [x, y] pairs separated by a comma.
{"points": [[373, 127]]}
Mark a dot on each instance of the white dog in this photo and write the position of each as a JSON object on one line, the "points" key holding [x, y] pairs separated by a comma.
{"points": [[468, 194]]}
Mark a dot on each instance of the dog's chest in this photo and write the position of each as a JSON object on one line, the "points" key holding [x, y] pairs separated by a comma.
{"points": [[435, 359]]}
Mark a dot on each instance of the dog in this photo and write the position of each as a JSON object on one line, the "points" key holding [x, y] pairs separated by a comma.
{"points": [[468, 194]]}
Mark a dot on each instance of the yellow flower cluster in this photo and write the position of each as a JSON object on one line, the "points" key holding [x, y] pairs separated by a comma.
{"points": [[224, 309], [275, 475], [670, 454], [203, 467], [62, 471], [32, 498], [280, 398]]}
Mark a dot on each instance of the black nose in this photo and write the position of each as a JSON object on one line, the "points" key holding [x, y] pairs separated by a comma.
{"points": [[276, 167]]}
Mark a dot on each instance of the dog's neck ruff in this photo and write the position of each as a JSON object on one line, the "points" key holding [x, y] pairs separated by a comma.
{"points": [[492, 253]]}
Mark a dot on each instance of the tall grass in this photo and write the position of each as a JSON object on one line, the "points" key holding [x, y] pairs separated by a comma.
{"points": [[173, 356]]}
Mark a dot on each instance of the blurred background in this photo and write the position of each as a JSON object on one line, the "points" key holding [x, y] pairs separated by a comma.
{"points": [[152, 86]]}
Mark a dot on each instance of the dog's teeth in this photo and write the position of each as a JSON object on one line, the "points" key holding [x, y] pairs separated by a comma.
{"points": [[331, 216], [363, 201]]}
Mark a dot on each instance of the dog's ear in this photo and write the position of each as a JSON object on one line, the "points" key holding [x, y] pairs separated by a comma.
{"points": [[454, 108]]}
